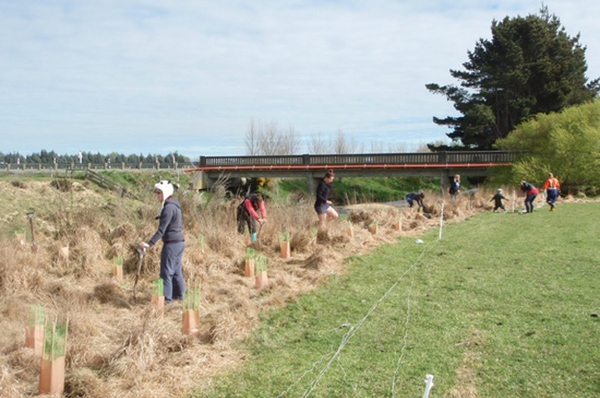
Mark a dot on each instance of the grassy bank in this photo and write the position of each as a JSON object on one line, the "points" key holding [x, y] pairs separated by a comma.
{"points": [[502, 306], [350, 190]]}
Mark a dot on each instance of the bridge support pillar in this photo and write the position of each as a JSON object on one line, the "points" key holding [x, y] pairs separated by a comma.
{"points": [[201, 181], [445, 180], [311, 183]]}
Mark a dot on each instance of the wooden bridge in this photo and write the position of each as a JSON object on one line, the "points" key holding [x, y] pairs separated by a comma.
{"points": [[312, 167]]}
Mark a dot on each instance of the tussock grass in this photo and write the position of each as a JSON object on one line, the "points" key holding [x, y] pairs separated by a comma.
{"points": [[120, 347]]}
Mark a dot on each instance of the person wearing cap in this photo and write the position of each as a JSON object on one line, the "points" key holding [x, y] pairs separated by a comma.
{"points": [[322, 204], [170, 230], [247, 213], [531, 193], [551, 187], [417, 197], [497, 198]]}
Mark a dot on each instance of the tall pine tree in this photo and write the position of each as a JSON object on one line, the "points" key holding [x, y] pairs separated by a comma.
{"points": [[529, 66]]}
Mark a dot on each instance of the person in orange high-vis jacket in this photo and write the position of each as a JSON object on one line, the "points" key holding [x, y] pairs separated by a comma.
{"points": [[552, 187]]}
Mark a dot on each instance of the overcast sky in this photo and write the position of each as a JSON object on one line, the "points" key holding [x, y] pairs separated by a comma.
{"points": [[160, 76]]}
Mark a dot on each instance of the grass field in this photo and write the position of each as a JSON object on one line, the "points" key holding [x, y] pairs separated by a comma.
{"points": [[505, 305]]}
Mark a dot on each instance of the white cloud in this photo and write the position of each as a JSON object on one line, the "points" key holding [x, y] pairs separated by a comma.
{"points": [[188, 76]]}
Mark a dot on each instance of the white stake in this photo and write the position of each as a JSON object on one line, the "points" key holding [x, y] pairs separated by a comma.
{"points": [[441, 222], [513, 201], [428, 385]]}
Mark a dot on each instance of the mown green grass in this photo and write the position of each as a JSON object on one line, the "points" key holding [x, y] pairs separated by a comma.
{"points": [[514, 294]]}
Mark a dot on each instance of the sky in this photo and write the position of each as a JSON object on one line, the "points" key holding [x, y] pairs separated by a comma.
{"points": [[189, 76]]}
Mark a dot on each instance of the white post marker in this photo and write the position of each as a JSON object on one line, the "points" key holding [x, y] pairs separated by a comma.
{"points": [[513, 201], [428, 385], [441, 222]]}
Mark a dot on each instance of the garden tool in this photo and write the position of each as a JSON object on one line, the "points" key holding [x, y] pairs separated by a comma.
{"points": [[142, 253], [31, 215]]}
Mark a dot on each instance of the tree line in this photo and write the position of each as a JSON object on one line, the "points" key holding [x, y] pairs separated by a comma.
{"points": [[45, 156]]}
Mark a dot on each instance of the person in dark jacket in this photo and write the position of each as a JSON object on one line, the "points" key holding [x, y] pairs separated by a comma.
{"points": [[170, 229], [247, 213], [322, 203], [413, 197], [455, 187], [531, 193], [497, 198]]}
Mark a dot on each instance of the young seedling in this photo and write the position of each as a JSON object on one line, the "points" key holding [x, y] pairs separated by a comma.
{"points": [[374, 227], [260, 278], [201, 242], [350, 229], [191, 312], [249, 263], [34, 331], [52, 374], [284, 244], [398, 224], [117, 270], [158, 295]]}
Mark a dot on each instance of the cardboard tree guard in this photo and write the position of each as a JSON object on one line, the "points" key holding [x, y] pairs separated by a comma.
{"points": [[34, 331], [260, 278], [191, 312], [52, 373]]}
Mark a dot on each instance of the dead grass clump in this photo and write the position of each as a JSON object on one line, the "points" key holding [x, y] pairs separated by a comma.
{"points": [[67, 293], [316, 260], [300, 241], [125, 232], [87, 248], [84, 383], [19, 270], [145, 341], [226, 326], [19, 372], [361, 217], [323, 236], [15, 308], [112, 293], [18, 184], [340, 239], [62, 185]]}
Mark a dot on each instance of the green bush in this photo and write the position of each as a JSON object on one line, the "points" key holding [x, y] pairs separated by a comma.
{"points": [[566, 144]]}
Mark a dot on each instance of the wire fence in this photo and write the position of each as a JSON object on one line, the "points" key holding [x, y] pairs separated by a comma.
{"points": [[355, 328]]}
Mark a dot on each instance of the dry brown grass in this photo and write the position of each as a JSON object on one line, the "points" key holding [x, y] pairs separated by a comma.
{"points": [[119, 347]]}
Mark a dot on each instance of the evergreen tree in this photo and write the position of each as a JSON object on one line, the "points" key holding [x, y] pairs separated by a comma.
{"points": [[529, 66]]}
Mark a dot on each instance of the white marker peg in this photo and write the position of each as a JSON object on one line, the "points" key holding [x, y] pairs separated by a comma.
{"points": [[428, 385]]}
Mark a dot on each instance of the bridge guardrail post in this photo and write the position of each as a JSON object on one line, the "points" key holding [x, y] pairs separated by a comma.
{"points": [[202, 161], [443, 157]]}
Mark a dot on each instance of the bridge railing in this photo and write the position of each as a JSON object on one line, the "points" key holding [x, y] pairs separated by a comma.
{"points": [[358, 159]]}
